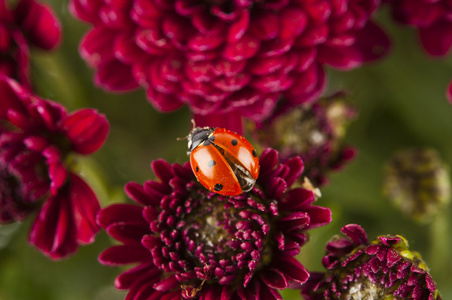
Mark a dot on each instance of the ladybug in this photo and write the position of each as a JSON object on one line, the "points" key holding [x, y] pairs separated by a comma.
{"points": [[222, 160]]}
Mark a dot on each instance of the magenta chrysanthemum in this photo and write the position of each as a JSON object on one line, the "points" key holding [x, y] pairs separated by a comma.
{"points": [[192, 243], [431, 19], [382, 269], [27, 23], [37, 137], [226, 56]]}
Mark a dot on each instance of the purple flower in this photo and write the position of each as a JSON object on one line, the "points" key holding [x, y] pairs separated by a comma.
{"points": [[37, 140], [315, 132], [188, 242], [27, 23], [226, 56], [382, 269]]}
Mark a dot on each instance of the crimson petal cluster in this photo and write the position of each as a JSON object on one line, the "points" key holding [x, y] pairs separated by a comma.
{"points": [[189, 242], [37, 138], [28, 23], [430, 18], [226, 56], [382, 269], [433, 23]]}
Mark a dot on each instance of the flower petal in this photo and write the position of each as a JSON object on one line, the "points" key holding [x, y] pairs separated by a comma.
{"points": [[84, 208], [53, 230], [232, 121], [12, 93], [319, 216], [96, 46], [372, 42], [356, 233], [274, 279], [437, 39], [39, 23], [124, 254], [291, 268], [120, 213], [86, 129], [85, 10], [128, 233], [116, 77], [130, 277]]}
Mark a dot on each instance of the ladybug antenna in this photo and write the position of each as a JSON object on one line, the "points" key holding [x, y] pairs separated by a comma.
{"points": [[186, 137]]}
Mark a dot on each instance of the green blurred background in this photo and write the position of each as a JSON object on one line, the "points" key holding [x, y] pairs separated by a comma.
{"points": [[401, 102]]}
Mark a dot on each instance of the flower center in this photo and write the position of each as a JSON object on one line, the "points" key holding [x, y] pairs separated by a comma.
{"points": [[366, 290], [220, 240]]}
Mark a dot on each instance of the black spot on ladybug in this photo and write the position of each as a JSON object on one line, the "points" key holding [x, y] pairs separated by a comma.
{"points": [[254, 153], [218, 187], [197, 169], [212, 138], [234, 142], [207, 143], [211, 163]]}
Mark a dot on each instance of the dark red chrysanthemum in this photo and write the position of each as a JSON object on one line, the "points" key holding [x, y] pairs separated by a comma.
{"points": [[191, 243], [431, 19], [382, 269], [226, 56], [37, 138], [29, 22], [315, 132]]}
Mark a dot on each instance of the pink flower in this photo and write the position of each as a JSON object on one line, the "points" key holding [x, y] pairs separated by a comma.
{"points": [[28, 23], [37, 137], [431, 19], [187, 242], [382, 269], [433, 22], [226, 56]]}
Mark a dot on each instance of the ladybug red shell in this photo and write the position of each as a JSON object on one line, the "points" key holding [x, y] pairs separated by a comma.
{"points": [[222, 160]]}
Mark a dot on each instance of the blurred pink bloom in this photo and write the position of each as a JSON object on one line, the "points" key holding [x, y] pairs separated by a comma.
{"points": [[313, 131], [28, 23], [431, 19], [226, 56], [37, 138]]}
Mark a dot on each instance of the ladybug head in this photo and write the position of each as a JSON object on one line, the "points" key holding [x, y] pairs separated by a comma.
{"points": [[197, 136]]}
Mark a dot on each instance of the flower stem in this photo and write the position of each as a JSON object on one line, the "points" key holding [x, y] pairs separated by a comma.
{"points": [[439, 253]]}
